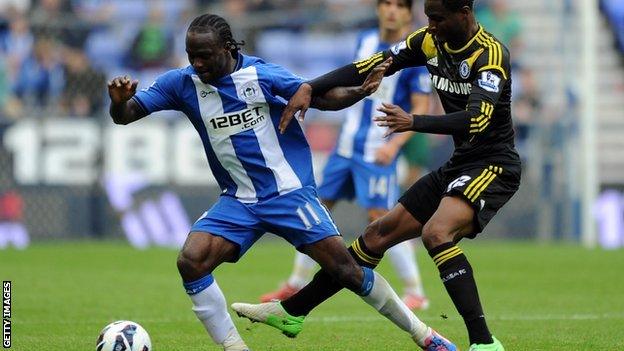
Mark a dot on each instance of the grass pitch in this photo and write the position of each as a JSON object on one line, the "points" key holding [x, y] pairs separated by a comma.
{"points": [[535, 297]]}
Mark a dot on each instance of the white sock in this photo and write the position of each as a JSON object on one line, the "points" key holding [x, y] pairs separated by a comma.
{"points": [[210, 307], [403, 259], [302, 270], [386, 301]]}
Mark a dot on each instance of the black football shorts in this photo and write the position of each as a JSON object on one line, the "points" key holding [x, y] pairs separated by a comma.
{"points": [[485, 187]]}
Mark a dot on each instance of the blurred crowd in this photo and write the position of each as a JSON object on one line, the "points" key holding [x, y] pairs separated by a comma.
{"points": [[56, 55]]}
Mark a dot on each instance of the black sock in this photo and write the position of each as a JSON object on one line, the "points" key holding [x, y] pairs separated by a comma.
{"points": [[323, 286], [456, 274]]}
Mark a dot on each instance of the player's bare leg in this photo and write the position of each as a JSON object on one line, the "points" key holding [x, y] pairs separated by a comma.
{"points": [[200, 255], [303, 268], [403, 259]]}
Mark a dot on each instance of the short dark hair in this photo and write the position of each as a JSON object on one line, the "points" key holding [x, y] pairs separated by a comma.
{"points": [[456, 5], [218, 25], [408, 3]]}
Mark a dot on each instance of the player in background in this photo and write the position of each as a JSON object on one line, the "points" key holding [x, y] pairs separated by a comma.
{"points": [[234, 101], [364, 163], [471, 71]]}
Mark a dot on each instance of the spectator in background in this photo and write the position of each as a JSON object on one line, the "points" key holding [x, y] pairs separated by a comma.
{"points": [[50, 18], [21, 6], [4, 92], [151, 48], [501, 22], [82, 94], [40, 77], [526, 104], [236, 8], [97, 13], [16, 43]]}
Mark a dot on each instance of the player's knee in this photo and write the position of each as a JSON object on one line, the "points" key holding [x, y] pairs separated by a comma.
{"points": [[347, 275], [375, 214], [436, 233], [192, 264], [375, 237]]}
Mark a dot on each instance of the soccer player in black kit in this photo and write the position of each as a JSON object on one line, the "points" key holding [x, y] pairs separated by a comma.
{"points": [[470, 69]]}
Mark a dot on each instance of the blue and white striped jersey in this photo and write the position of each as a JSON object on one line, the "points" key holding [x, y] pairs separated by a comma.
{"points": [[359, 135], [237, 119]]}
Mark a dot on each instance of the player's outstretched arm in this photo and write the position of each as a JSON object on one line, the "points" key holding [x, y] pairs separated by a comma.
{"points": [[405, 54], [398, 121], [351, 75], [300, 102], [342, 97], [123, 109]]}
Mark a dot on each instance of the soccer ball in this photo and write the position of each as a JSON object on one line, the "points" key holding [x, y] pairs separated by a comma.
{"points": [[123, 336]]}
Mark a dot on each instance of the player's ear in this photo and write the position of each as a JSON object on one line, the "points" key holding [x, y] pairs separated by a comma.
{"points": [[465, 11]]}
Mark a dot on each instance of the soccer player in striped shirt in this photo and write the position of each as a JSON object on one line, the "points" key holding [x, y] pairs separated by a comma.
{"points": [[235, 101]]}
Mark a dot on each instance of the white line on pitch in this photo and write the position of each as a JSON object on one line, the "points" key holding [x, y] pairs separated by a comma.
{"points": [[373, 318], [544, 317]]}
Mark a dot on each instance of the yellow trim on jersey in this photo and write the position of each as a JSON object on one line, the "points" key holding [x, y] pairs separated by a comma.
{"points": [[498, 68], [362, 255], [428, 47], [447, 255], [411, 36], [371, 65], [471, 60], [495, 53], [366, 61], [449, 50]]}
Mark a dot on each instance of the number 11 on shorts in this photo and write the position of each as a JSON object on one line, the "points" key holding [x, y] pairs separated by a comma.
{"points": [[304, 212]]}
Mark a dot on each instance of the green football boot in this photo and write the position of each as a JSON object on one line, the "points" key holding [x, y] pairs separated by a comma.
{"points": [[271, 313], [495, 346]]}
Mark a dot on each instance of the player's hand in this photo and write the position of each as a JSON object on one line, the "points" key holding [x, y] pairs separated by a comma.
{"points": [[373, 80], [121, 89], [386, 154], [300, 102], [396, 119]]}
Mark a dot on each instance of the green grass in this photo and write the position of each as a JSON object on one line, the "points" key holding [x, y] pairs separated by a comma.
{"points": [[535, 297]]}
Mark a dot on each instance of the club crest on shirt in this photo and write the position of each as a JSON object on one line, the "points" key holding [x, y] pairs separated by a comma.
{"points": [[250, 91], [464, 69]]}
